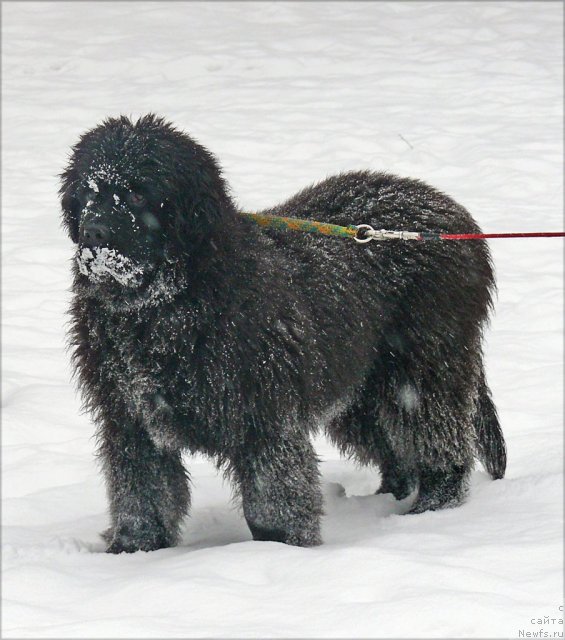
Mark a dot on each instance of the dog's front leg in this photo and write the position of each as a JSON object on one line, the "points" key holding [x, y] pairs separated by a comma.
{"points": [[147, 488], [279, 483]]}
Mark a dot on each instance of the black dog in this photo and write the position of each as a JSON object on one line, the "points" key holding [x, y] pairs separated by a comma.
{"points": [[194, 329]]}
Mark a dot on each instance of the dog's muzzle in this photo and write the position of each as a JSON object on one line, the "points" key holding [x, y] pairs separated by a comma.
{"points": [[94, 235]]}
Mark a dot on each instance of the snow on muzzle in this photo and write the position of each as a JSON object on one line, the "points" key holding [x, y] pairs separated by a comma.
{"points": [[101, 263]]}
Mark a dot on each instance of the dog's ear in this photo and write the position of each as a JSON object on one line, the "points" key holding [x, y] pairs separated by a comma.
{"points": [[70, 203], [196, 220], [200, 203]]}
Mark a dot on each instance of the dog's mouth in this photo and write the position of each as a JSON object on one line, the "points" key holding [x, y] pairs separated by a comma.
{"points": [[101, 264]]}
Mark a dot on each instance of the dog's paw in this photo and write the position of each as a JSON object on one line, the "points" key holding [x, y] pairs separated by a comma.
{"points": [[399, 493], [120, 546], [434, 503], [305, 539], [123, 540], [297, 538]]}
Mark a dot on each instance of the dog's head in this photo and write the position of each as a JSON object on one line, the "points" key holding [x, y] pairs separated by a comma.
{"points": [[136, 195]]}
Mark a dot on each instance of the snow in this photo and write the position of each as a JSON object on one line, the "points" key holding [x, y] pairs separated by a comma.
{"points": [[467, 96], [106, 264]]}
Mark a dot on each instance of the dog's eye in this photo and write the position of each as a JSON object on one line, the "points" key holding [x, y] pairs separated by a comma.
{"points": [[136, 199]]}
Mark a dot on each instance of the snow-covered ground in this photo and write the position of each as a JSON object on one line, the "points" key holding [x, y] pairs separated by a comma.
{"points": [[465, 95]]}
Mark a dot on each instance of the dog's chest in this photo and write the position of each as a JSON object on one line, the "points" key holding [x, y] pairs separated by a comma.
{"points": [[139, 359], [168, 360]]}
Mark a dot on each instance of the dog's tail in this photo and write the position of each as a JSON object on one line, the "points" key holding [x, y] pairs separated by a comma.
{"points": [[490, 445]]}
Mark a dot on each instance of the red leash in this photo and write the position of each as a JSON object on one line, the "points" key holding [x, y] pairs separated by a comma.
{"points": [[481, 236]]}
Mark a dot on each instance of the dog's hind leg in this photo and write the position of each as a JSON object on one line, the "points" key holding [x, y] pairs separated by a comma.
{"points": [[359, 433], [450, 435], [435, 439], [441, 488], [279, 483], [396, 478], [147, 488], [418, 437], [444, 440]]}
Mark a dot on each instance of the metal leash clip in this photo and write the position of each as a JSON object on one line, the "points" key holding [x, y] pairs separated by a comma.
{"points": [[368, 234]]}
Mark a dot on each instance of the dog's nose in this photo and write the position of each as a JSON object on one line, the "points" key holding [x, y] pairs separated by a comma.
{"points": [[94, 235]]}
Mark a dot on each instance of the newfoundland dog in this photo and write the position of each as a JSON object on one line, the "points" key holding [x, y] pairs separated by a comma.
{"points": [[194, 329]]}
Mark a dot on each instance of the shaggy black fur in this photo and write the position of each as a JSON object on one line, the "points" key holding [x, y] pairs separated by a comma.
{"points": [[194, 329]]}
